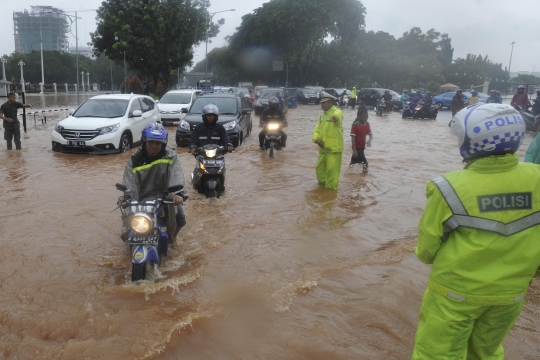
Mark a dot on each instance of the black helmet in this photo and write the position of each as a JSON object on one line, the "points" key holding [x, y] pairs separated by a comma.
{"points": [[273, 102], [428, 93], [474, 92], [459, 91]]}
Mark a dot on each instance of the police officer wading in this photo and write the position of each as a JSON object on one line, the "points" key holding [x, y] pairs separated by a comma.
{"points": [[480, 231], [272, 112], [12, 126]]}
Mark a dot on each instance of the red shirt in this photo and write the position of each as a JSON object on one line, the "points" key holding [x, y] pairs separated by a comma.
{"points": [[360, 132]]}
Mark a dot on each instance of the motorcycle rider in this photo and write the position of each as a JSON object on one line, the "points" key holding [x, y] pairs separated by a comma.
{"points": [[474, 98], [210, 131], [271, 112], [404, 98], [493, 98], [152, 169], [428, 102], [499, 96], [536, 106], [480, 239], [520, 98], [458, 102], [413, 99], [388, 99]]}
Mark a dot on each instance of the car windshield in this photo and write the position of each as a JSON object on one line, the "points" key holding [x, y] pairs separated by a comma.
{"points": [[226, 106], [267, 94], [291, 92], [309, 91], [102, 108], [176, 98], [394, 93]]}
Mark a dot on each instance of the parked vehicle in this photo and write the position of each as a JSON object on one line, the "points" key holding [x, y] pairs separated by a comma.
{"points": [[445, 100], [259, 88], [171, 104], [371, 95], [208, 177], [292, 97], [308, 96], [273, 136], [105, 124], [265, 95], [148, 226], [234, 114]]}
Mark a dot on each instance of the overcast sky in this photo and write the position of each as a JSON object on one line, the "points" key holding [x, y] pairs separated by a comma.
{"points": [[475, 26]]}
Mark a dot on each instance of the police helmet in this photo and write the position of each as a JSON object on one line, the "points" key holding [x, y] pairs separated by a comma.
{"points": [[488, 129]]}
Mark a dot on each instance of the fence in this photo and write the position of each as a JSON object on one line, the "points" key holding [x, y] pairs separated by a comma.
{"points": [[48, 88]]}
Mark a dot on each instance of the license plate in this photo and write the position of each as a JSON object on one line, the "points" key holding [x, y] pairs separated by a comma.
{"points": [[76, 143], [213, 162], [143, 239], [167, 122]]}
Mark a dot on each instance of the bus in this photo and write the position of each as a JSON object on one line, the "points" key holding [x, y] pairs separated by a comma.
{"points": [[204, 85]]}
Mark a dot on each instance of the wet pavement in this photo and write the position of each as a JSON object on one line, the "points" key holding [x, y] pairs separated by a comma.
{"points": [[278, 268]]}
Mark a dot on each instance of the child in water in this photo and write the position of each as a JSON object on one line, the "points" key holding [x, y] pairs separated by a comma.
{"points": [[359, 131]]}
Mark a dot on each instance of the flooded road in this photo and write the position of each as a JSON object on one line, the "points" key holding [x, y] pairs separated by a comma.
{"points": [[279, 268]]}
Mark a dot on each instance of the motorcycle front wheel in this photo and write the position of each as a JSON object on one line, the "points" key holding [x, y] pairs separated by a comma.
{"points": [[138, 272]]}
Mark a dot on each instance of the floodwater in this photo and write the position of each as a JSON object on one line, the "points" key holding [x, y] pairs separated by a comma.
{"points": [[279, 268]]}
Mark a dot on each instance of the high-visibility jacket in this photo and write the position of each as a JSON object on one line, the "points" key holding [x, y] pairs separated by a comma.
{"points": [[353, 93], [331, 133], [481, 231]]}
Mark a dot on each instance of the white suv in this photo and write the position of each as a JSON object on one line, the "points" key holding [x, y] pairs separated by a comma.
{"points": [[105, 124], [171, 105]]}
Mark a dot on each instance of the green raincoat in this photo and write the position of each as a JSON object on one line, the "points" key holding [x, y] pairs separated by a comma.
{"points": [[329, 162]]}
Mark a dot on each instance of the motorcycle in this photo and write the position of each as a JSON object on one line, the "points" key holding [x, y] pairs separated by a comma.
{"points": [[344, 101], [407, 111], [208, 177], [381, 107], [421, 113], [272, 139], [148, 226], [529, 117]]}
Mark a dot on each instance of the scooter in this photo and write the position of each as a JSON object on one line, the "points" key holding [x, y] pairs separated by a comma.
{"points": [[147, 227], [421, 113], [529, 117], [272, 139], [407, 112], [381, 107], [208, 177]]}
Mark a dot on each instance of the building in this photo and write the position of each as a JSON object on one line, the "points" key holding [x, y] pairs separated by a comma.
{"points": [[48, 20], [83, 50]]}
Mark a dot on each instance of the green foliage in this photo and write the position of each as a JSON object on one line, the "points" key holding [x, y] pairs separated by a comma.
{"points": [[155, 36], [136, 86]]}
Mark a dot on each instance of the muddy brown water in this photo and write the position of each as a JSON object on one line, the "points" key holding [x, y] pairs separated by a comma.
{"points": [[279, 268]]}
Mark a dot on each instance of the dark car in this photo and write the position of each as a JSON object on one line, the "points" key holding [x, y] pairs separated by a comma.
{"points": [[234, 115], [371, 95], [265, 94], [308, 96]]}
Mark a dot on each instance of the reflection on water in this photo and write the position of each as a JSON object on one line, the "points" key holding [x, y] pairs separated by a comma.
{"points": [[278, 268]]}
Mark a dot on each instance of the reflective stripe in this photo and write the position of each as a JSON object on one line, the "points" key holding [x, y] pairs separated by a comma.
{"points": [[215, 138], [203, 137], [484, 300], [456, 296], [147, 166], [491, 225], [450, 195]]}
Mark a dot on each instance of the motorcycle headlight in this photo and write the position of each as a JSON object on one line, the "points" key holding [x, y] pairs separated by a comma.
{"points": [[230, 125], [273, 126], [184, 124], [141, 223], [58, 128], [108, 129], [258, 103], [210, 152]]}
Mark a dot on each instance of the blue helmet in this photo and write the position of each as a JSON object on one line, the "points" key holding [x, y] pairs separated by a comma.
{"points": [[488, 129], [154, 131], [210, 109]]}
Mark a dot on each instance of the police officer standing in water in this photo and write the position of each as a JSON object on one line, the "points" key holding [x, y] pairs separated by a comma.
{"points": [[480, 231]]}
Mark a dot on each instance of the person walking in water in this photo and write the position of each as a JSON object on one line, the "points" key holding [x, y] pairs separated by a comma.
{"points": [[480, 231], [359, 131], [328, 135], [458, 102], [12, 126]]}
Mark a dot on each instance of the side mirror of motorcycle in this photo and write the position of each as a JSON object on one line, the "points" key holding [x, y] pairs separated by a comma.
{"points": [[174, 188], [121, 187]]}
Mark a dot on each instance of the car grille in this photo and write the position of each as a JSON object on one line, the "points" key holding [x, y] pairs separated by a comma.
{"points": [[83, 135]]}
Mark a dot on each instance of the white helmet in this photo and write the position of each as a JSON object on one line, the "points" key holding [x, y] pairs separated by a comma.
{"points": [[488, 129]]}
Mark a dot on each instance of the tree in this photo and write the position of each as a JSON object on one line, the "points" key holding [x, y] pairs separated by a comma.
{"points": [[156, 36]]}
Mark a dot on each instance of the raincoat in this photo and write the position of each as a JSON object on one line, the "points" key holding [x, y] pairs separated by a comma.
{"points": [[533, 151], [404, 98], [473, 100], [457, 103], [520, 99], [353, 93], [479, 231], [329, 162]]}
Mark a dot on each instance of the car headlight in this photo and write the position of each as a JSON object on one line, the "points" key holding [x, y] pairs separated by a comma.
{"points": [[108, 129], [58, 128], [210, 152], [141, 223], [184, 125], [230, 125], [258, 103]]}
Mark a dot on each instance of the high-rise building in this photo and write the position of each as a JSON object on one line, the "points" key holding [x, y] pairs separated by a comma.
{"points": [[48, 20]]}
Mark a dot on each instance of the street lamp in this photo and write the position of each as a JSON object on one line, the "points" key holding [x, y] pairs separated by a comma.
{"points": [[22, 76], [41, 46], [511, 51], [125, 71], [206, 52]]}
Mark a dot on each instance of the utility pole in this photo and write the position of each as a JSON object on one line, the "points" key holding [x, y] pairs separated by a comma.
{"points": [[511, 51], [22, 75]]}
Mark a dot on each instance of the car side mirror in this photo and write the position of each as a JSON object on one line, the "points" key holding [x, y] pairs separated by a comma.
{"points": [[71, 111], [245, 111], [137, 113], [184, 110]]}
